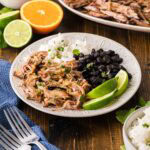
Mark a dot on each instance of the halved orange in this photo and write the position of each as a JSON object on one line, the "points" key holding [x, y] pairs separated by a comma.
{"points": [[43, 15]]}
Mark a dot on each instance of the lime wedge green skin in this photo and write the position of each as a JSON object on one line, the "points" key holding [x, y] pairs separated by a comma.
{"points": [[17, 33], [99, 102], [8, 17], [122, 82], [103, 89]]}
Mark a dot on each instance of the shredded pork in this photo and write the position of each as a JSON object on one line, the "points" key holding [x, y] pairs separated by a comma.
{"points": [[53, 84], [136, 12]]}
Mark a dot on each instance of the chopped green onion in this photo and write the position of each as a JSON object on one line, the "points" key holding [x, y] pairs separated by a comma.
{"points": [[60, 49], [103, 74], [76, 52], [39, 92], [145, 125], [49, 62], [89, 65], [40, 84], [49, 50], [53, 55], [62, 66], [67, 70], [59, 55]]}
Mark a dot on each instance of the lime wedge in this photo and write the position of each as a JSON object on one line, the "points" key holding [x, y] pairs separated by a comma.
{"points": [[8, 17], [103, 89], [17, 33], [122, 82], [99, 102]]}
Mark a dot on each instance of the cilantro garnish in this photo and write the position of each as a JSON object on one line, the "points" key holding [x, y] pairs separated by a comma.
{"points": [[59, 55], [145, 125], [121, 115], [67, 70], [60, 49], [76, 52]]}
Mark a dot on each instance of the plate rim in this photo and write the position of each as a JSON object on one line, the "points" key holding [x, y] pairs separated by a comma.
{"points": [[106, 22], [68, 115]]}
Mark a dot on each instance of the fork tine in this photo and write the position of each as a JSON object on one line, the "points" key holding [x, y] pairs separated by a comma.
{"points": [[4, 145], [9, 139], [26, 132], [8, 143], [23, 121], [10, 136], [8, 116]]}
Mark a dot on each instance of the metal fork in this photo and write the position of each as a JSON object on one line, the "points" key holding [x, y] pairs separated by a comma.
{"points": [[21, 128], [9, 142]]}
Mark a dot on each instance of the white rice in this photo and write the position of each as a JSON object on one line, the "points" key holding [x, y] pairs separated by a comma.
{"points": [[68, 45], [139, 133]]}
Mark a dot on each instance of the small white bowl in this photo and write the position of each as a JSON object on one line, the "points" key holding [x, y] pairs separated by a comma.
{"points": [[137, 114]]}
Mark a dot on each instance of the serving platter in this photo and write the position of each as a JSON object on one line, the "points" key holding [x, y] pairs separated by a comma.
{"points": [[106, 22], [94, 41]]}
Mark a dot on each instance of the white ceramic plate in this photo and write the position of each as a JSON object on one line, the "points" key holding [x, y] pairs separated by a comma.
{"points": [[106, 22], [96, 42]]}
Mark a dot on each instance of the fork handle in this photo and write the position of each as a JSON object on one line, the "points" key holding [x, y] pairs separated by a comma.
{"points": [[41, 146]]}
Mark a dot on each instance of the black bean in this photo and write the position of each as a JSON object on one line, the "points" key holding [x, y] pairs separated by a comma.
{"points": [[113, 74], [111, 66], [102, 68], [97, 73], [108, 52], [81, 55], [100, 50], [85, 73], [86, 57], [92, 55], [102, 54], [80, 67], [110, 76], [111, 52], [123, 68], [108, 67], [117, 55], [107, 59], [96, 55], [83, 61], [103, 80], [130, 76], [94, 73], [92, 78], [120, 60], [76, 57], [115, 58], [93, 51], [99, 60], [115, 70], [116, 65]]}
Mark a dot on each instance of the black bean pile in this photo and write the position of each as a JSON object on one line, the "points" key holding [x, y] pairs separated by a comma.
{"points": [[99, 66]]}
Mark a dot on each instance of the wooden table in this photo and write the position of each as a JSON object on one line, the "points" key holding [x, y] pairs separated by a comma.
{"points": [[101, 132]]}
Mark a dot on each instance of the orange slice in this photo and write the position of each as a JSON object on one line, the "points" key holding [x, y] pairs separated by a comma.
{"points": [[43, 15]]}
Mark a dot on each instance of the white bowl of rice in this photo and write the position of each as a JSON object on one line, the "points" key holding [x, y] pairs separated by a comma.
{"points": [[136, 130]]}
